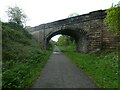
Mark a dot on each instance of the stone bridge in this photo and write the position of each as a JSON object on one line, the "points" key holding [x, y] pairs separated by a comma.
{"points": [[88, 30]]}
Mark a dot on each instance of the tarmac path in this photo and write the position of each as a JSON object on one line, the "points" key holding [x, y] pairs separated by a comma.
{"points": [[60, 72]]}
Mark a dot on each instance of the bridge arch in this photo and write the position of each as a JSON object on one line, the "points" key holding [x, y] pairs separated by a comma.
{"points": [[94, 39], [79, 37]]}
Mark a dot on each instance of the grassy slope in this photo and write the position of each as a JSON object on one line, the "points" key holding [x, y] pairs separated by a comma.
{"points": [[102, 68], [22, 57]]}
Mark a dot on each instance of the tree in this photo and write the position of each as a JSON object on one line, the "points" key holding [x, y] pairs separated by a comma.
{"points": [[16, 15], [113, 18], [64, 40]]}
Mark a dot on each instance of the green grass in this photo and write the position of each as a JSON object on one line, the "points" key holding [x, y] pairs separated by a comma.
{"points": [[23, 59], [22, 75], [102, 68]]}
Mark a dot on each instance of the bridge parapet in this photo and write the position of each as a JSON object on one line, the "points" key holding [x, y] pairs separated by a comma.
{"points": [[100, 14]]}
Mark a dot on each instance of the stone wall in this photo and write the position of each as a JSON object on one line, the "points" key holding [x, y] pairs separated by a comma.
{"points": [[88, 30], [110, 40]]}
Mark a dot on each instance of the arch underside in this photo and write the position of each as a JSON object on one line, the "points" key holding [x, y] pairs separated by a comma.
{"points": [[79, 37], [71, 33]]}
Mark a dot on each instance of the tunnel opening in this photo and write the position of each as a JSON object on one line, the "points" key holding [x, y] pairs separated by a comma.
{"points": [[63, 41], [79, 38], [70, 33]]}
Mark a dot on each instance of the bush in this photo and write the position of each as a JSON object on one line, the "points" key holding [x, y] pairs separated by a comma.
{"points": [[22, 57]]}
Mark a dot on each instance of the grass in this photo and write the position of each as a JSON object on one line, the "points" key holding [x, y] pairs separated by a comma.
{"points": [[102, 68], [22, 75], [22, 59]]}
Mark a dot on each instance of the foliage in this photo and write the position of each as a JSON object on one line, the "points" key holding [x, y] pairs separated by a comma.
{"points": [[65, 40], [102, 68], [113, 18], [16, 15], [22, 75], [51, 44], [22, 57]]}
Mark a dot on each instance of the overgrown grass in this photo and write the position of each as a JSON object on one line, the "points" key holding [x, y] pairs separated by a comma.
{"points": [[23, 59], [22, 75], [102, 68]]}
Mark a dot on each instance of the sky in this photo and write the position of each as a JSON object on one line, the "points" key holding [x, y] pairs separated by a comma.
{"points": [[44, 11]]}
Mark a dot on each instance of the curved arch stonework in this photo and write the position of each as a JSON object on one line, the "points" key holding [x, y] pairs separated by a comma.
{"points": [[88, 31]]}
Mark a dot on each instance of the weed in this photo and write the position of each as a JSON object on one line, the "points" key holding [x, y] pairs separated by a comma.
{"points": [[22, 58], [102, 68]]}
